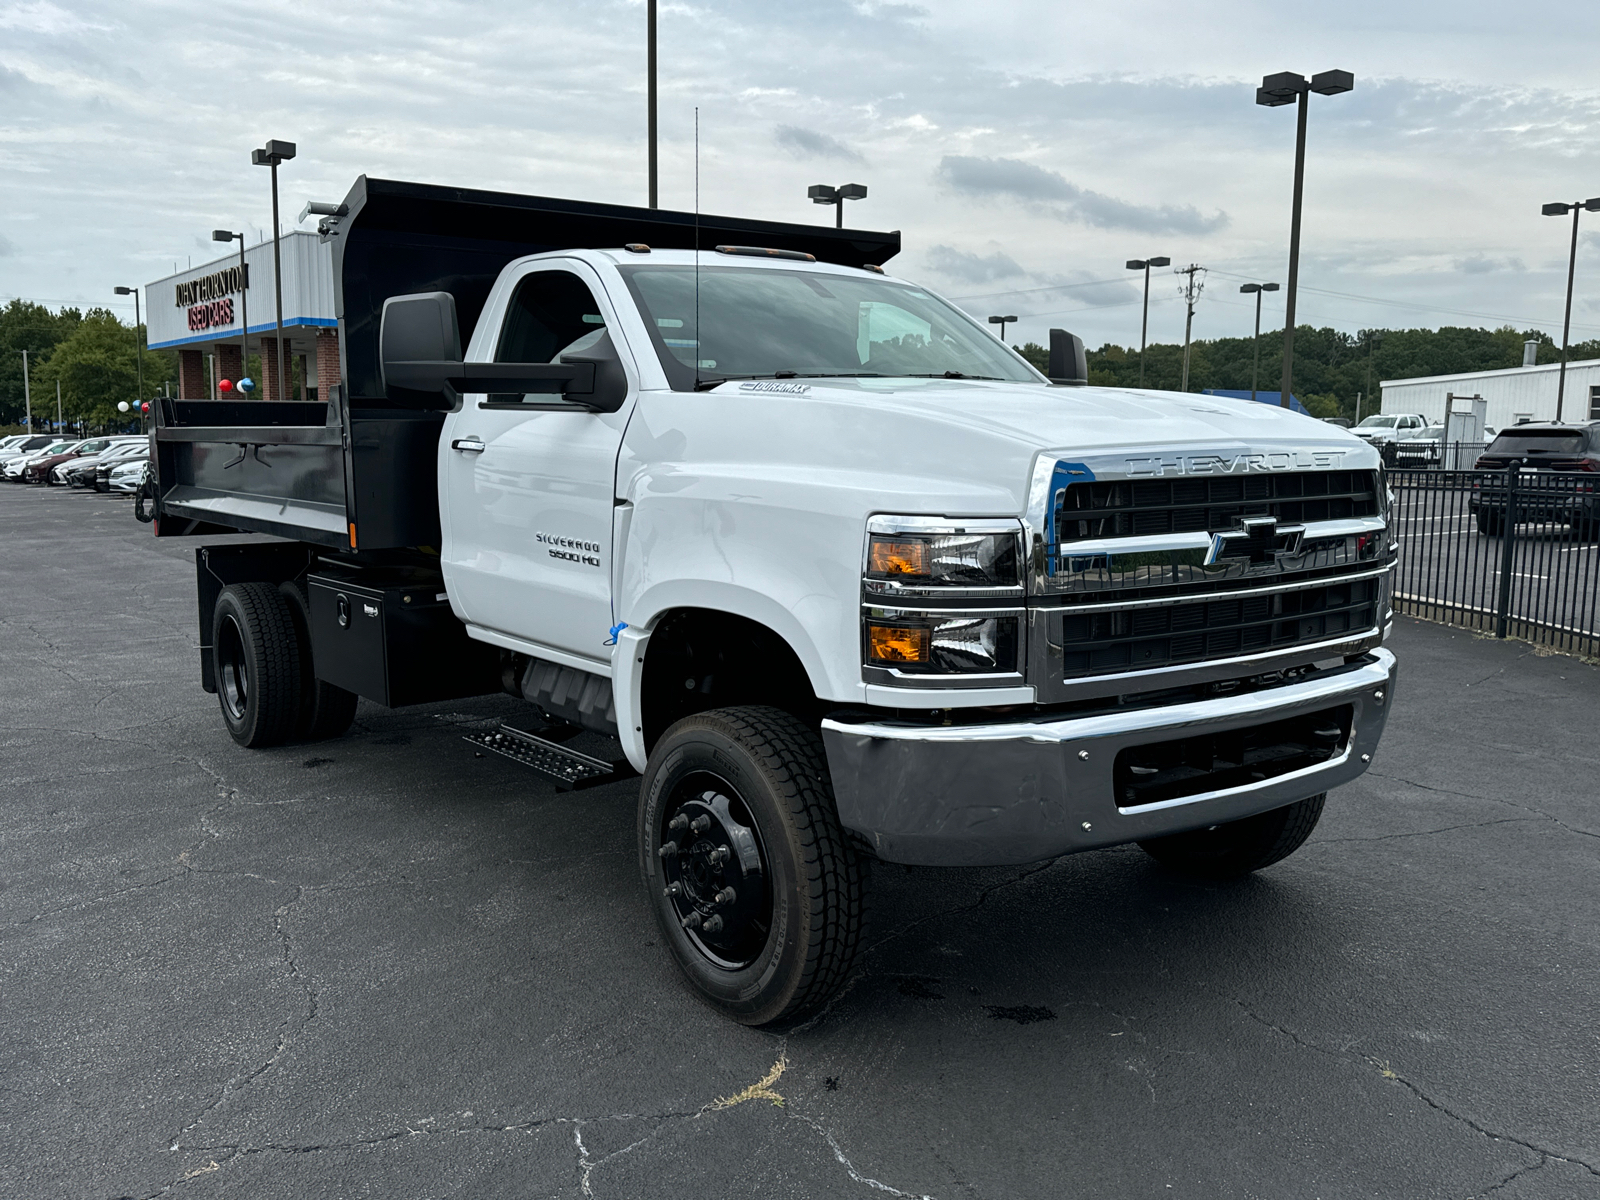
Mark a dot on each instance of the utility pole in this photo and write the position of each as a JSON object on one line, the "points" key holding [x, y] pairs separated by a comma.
{"points": [[58, 406], [27, 396], [1373, 337], [650, 93], [1191, 290]]}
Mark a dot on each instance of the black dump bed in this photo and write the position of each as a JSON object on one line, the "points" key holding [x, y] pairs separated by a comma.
{"points": [[357, 471]]}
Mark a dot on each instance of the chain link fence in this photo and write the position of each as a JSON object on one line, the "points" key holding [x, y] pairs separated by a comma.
{"points": [[1510, 552]]}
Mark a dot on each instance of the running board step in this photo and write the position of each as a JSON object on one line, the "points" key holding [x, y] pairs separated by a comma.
{"points": [[570, 769]]}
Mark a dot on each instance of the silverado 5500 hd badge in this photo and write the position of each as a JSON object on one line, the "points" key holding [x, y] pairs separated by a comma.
{"points": [[571, 549]]}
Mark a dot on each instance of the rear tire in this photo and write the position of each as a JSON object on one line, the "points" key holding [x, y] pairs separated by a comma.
{"points": [[751, 783], [256, 653], [1238, 847], [1489, 523]]}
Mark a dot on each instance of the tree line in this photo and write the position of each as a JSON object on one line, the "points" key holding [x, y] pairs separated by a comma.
{"points": [[92, 355], [1331, 368]]}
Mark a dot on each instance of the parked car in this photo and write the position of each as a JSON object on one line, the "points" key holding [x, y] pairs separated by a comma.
{"points": [[79, 471], [1341, 422], [1543, 451], [16, 466], [25, 445], [104, 470], [39, 470], [126, 477]]}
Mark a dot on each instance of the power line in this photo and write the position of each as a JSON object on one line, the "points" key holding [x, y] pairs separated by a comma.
{"points": [[1054, 287]]}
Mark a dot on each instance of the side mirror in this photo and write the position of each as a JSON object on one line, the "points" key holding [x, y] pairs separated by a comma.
{"points": [[1069, 366], [610, 389], [420, 345]]}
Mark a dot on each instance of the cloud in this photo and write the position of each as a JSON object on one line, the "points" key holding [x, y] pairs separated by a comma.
{"points": [[1067, 201], [1481, 264], [972, 268], [7, 246], [45, 18], [808, 143]]}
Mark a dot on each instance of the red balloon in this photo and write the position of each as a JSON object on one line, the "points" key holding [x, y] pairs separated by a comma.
{"points": [[144, 406], [225, 385]]}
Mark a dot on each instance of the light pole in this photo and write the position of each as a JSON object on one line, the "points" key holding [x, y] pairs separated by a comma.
{"points": [[1561, 210], [1286, 87], [270, 155], [822, 193], [27, 394], [1144, 264], [1257, 288], [650, 92], [1002, 322], [1373, 338], [223, 235], [138, 336]]}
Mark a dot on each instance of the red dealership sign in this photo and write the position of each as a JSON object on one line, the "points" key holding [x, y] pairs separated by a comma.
{"points": [[208, 316]]}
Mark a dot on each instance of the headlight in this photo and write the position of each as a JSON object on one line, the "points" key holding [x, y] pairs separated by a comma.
{"points": [[939, 557], [947, 643]]}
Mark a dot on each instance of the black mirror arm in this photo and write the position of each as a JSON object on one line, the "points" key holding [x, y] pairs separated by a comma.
{"points": [[575, 378]]}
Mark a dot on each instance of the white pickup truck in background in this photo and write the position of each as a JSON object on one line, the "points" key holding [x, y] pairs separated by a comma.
{"points": [[842, 575]]}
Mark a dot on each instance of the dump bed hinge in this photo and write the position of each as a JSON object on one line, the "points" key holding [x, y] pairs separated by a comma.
{"points": [[570, 769]]}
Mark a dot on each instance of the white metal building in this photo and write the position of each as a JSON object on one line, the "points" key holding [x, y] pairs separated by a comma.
{"points": [[200, 313], [1517, 394]]}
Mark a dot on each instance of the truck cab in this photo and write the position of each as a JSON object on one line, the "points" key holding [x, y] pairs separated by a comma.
{"points": [[843, 577]]}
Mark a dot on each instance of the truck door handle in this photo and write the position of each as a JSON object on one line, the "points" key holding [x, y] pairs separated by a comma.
{"points": [[468, 445]]}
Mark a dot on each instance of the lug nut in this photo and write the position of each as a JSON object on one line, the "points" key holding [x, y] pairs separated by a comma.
{"points": [[700, 824], [719, 855], [726, 896], [672, 889], [679, 823], [712, 925], [668, 849], [692, 921]]}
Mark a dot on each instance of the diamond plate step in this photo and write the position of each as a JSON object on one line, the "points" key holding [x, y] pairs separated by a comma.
{"points": [[570, 769]]}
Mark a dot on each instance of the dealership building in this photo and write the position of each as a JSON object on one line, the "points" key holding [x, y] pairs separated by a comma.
{"points": [[200, 313], [1518, 394]]}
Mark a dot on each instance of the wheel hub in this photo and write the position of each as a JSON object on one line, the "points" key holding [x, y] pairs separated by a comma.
{"points": [[233, 679], [716, 875]]}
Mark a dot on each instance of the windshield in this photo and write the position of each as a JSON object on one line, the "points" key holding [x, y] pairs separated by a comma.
{"points": [[1539, 441], [761, 323], [1377, 423]]}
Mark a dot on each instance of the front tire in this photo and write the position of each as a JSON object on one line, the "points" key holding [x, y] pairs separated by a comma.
{"points": [[1238, 847], [256, 653], [757, 891]]}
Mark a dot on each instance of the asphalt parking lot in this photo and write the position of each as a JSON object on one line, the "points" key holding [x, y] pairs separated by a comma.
{"points": [[383, 967]]}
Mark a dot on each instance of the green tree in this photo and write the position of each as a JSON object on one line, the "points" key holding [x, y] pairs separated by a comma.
{"points": [[97, 365], [25, 325]]}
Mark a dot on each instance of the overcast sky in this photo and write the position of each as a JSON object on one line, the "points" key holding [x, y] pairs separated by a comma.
{"points": [[1026, 149]]}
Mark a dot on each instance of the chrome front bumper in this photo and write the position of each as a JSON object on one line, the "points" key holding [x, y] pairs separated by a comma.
{"points": [[1022, 791]]}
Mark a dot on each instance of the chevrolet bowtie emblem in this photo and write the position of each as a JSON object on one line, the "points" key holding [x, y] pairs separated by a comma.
{"points": [[1255, 538]]}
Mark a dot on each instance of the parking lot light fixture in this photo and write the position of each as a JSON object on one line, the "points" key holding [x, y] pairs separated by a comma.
{"points": [[138, 334], [270, 155], [1144, 264], [1002, 322], [822, 193], [1287, 87], [1257, 288], [1558, 209], [223, 235]]}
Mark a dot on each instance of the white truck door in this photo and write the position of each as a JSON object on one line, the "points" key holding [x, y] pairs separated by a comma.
{"points": [[528, 481]]}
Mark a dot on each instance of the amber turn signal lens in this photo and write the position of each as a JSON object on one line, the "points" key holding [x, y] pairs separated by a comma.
{"points": [[897, 644], [889, 557]]}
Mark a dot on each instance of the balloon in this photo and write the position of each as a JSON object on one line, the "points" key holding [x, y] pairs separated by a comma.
{"points": [[224, 385], [145, 406], [122, 406], [247, 384]]}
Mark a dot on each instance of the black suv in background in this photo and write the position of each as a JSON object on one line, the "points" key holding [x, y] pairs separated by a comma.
{"points": [[1547, 455]]}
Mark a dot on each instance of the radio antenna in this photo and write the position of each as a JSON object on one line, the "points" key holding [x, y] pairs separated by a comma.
{"points": [[697, 339]]}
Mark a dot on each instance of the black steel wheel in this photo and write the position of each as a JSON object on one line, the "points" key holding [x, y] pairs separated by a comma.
{"points": [[256, 656], [1238, 847], [758, 893]]}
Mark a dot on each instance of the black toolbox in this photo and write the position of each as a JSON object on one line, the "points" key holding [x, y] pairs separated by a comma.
{"points": [[387, 633]]}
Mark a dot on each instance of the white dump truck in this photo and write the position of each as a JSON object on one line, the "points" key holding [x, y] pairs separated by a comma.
{"points": [[841, 577]]}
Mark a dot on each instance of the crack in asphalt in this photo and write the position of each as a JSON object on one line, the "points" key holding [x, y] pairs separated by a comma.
{"points": [[1389, 837], [1385, 1071], [1538, 812]]}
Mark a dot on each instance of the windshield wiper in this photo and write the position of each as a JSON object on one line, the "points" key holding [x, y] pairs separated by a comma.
{"points": [[953, 375]]}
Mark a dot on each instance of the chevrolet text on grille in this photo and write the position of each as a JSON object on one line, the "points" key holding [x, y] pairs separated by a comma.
{"points": [[1223, 464]]}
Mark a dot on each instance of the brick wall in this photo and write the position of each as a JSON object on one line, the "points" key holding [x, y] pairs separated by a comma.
{"points": [[192, 375]]}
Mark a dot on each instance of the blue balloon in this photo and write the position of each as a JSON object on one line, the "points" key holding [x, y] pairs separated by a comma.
{"points": [[246, 384]]}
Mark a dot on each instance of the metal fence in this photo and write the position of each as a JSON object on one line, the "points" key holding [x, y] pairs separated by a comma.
{"points": [[1422, 454], [1511, 552]]}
